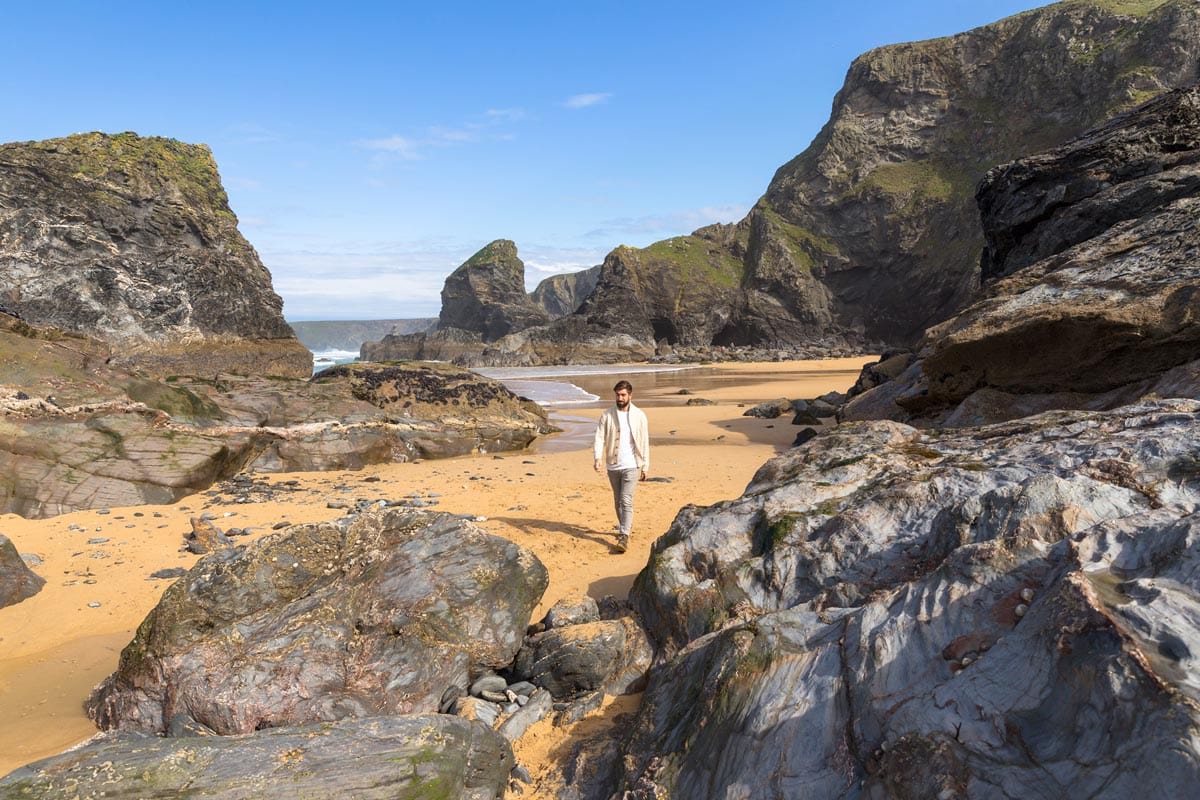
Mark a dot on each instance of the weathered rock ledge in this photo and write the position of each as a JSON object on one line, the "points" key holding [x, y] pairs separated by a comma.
{"points": [[374, 758], [77, 432]]}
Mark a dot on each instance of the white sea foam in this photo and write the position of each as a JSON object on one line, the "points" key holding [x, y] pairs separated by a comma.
{"points": [[567, 370], [532, 382], [550, 393], [323, 359]]}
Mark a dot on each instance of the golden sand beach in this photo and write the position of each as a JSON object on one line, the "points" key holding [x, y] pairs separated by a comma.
{"points": [[55, 646]]}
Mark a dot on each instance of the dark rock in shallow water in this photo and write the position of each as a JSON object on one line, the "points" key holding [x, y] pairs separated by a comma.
{"points": [[377, 758], [17, 581], [770, 409], [889, 613], [323, 622]]}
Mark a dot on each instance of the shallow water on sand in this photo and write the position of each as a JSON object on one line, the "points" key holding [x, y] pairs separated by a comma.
{"points": [[660, 389], [591, 387]]}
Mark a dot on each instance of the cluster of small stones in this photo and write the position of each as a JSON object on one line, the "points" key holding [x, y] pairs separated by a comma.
{"points": [[247, 488], [681, 354], [809, 412], [383, 386], [511, 705], [494, 701]]}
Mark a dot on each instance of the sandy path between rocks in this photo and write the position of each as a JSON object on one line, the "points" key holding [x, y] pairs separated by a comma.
{"points": [[55, 646]]}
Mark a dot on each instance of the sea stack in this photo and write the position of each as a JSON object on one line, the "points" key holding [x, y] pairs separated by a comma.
{"points": [[131, 240]]}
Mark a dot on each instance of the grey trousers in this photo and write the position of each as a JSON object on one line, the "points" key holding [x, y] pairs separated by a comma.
{"points": [[623, 481]]}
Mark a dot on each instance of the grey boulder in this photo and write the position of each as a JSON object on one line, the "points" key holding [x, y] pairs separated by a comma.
{"points": [[323, 622], [17, 581]]}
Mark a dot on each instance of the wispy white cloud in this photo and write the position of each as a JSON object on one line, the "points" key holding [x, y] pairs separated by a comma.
{"points": [[666, 225], [585, 100], [505, 114], [439, 135], [542, 261], [363, 279], [250, 133], [409, 148], [398, 146]]}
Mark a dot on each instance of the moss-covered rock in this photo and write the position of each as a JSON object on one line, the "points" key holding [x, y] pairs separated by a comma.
{"points": [[131, 240]]}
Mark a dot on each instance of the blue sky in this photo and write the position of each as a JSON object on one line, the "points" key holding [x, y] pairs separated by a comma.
{"points": [[370, 148]]}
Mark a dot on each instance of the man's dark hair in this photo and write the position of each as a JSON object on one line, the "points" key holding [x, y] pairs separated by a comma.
{"points": [[626, 385]]}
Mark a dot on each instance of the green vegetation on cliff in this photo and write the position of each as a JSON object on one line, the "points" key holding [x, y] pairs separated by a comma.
{"points": [[802, 243], [126, 162], [916, 180], [696, 259], [492, 253]]}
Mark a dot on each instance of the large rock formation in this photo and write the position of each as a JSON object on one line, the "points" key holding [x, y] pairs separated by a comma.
{"points": [[131, 241], [561, 295], [326, 622], [872, 231], [17, 581], [871, 235], [1005, 612], [379, 758], [75, 432], [1094, 284], [486, 294], [482, 301]]}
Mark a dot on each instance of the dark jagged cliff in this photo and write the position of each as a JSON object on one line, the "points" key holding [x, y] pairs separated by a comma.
{"points": [[878, 213], [131, 240], [486, 294], [873, 231], [561, 295], [1093, 296]]}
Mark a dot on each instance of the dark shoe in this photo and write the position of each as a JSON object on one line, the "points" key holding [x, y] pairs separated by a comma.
{"points": [[622, 542]]}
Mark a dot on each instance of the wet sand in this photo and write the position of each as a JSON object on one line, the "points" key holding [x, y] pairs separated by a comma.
{"points": [[57, 645]]}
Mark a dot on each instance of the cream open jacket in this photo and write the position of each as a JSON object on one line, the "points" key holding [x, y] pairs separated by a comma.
{"points": [[608, 434]]}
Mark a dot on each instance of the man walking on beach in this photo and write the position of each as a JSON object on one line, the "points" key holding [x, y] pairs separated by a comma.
{"points": [[622, 444]]}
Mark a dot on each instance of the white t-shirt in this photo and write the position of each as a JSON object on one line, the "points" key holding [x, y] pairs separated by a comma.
{"points": [[625, 458]]}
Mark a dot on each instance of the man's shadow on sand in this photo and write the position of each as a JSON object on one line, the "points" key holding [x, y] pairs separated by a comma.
{"points": [[616, 585], [533, 525]]}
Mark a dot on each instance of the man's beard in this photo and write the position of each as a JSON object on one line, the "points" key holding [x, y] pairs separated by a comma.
{"points": [[622, 406]]}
